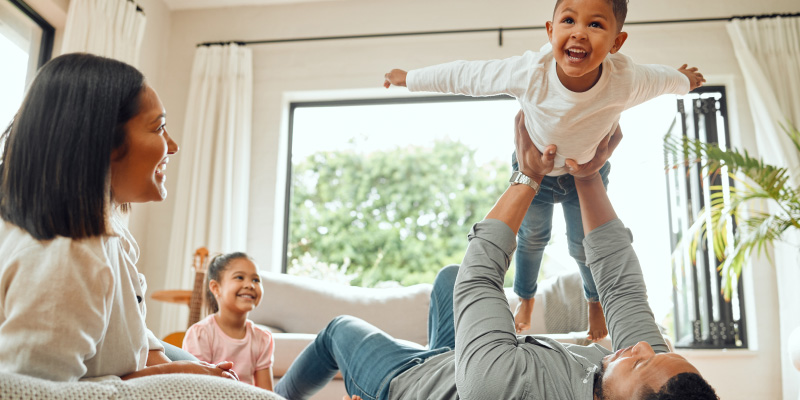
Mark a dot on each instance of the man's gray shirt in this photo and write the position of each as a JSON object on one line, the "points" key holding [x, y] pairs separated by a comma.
{"points": [[491, 362]]}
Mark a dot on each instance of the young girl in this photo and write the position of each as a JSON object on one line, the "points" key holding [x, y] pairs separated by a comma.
{"points": [[234, 289]]}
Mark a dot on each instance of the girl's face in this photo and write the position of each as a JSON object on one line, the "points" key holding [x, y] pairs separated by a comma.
{"points": [[239, 289], [137, 166]]}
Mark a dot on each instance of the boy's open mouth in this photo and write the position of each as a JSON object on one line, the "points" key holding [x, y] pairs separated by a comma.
{"points": [[576, 54]]}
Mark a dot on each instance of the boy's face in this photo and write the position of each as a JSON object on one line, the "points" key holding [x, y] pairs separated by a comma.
{"points": [[582, 33]]}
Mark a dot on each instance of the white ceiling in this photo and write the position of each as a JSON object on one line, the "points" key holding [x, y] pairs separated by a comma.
{"points": [[189, 4]]}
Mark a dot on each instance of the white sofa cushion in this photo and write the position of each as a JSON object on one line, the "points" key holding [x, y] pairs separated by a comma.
{"points": [[154, 387], [305, 305]]}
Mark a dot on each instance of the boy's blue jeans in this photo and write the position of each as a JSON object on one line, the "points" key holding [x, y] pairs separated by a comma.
{"points": [[534, 233], [368, 357]]}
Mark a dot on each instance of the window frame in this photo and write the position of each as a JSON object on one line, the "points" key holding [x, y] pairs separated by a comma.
{"points": [[48, 31], [711, 318], [344, 103]]}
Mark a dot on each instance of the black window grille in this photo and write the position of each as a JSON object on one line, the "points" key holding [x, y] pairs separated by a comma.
{"points": [[703, 318]]}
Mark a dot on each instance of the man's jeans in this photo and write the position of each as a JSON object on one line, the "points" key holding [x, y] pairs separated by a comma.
{"points": [[368, 357], [534, 233]]}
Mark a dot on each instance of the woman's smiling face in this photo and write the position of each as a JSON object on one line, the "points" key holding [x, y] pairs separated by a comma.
{"points": [[137, 166]]}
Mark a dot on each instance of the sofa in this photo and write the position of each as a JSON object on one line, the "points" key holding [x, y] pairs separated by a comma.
{"points": [[296, 308], [154, 387]]}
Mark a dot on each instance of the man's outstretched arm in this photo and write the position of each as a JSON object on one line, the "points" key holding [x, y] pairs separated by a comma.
{"points": [[489, 363], [614, 265]]}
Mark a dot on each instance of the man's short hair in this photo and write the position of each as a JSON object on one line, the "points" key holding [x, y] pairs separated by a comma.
{"points": [[684, 386], [618, 7]]}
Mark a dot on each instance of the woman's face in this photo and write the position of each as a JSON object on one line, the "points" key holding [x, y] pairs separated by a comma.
{"points": [[137, 167]]}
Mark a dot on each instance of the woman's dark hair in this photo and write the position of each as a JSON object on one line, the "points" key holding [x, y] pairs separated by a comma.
{"points": [[55, 168], [216, 267]]}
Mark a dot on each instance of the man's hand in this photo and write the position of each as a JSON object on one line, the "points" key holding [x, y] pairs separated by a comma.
{"points": [[531, 162], [695, 78], [395, 77], [355, 397], [512, 206], [601, 155]]}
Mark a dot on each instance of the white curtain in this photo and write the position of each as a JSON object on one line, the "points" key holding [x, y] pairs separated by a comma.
{"points": [[109, 28], [768, 52], [213, 175]]}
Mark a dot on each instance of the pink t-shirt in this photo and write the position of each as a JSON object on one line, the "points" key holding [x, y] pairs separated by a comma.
{"points": [[206, 341]]}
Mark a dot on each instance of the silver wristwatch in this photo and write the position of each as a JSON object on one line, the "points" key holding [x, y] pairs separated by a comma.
{"points": [[520, 178]]}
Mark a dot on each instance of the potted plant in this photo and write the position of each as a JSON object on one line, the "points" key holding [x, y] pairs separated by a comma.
{"points": [[758, 180], [756, 230]]}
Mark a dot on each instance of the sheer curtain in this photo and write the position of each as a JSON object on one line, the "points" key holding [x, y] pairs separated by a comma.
{"points": [[768, 52], [213, 177], [109, 28]]}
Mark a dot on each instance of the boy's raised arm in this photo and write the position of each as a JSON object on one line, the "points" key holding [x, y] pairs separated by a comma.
{"points": [[693, 74], [509, 76], [395, 77]]}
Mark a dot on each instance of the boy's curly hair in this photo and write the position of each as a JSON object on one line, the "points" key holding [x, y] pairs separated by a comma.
{"points": [[619, 7]]}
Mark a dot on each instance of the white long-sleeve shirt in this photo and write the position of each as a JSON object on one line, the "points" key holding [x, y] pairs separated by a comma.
{"points": [[574, 122], [71, 309]]}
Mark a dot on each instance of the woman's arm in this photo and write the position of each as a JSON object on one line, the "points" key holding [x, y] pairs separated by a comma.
{"points": [[223, 369], [263, 378], [156, 357], [158, 363]]}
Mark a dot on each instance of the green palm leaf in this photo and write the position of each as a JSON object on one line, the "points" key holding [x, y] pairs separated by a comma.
{"points": [[756, 181]]}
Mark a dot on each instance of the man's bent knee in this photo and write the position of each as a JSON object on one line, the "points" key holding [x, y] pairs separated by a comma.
{"points": [[446, 275]]}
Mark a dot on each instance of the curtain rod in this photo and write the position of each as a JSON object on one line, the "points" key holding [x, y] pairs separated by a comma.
{"points": [[478, 30]]}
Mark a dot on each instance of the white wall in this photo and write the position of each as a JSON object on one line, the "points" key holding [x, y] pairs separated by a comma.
{"points": [[282, 69]]}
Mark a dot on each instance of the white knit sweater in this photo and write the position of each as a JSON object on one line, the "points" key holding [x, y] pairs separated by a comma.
{"points": [[71, 309]]}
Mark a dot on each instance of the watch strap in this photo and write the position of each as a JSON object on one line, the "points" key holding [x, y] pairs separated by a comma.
{"points": [[518, 178]]}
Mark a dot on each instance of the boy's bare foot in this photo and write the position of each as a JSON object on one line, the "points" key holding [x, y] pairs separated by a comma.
{"points": [[597, 322], [522, 315]]}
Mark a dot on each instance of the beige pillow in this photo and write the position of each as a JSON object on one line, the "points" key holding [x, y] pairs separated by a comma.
{"points": [[304, 305]]}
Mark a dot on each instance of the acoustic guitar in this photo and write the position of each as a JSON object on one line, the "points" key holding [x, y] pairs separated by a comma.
{"points": [[198, 295]]}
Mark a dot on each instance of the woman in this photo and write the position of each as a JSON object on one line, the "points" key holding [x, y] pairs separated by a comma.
{"points": [[89, 138]]}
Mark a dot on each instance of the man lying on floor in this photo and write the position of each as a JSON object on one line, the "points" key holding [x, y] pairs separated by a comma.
{"points": [[474, 352]]}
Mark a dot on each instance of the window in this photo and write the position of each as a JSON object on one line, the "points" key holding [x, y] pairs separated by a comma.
{"points": [[26, 43], [401, 179], [386, 190], [703, 319]]}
